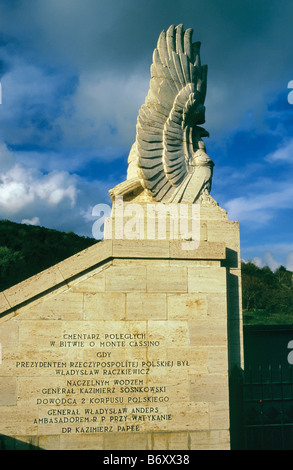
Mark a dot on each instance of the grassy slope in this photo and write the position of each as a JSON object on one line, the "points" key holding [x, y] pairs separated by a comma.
{"points": [[26, 250]]}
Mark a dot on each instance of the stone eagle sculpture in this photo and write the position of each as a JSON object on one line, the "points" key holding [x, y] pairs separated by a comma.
{"points": [[168, 160]]}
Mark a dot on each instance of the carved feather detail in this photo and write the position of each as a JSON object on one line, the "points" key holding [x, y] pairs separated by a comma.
{"points": [[167, 126]]}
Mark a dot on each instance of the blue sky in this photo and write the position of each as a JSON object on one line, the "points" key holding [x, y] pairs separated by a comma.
{"points": [[74, 74]]}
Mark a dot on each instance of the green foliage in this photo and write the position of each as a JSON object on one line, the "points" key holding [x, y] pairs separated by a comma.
{"points": [[26, 250], [268, 293]]}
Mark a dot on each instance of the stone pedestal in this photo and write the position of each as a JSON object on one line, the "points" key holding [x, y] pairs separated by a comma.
{"points": [[126, 345]]}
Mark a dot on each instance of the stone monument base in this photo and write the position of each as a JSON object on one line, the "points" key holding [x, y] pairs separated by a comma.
{"points": [[126, 345]]}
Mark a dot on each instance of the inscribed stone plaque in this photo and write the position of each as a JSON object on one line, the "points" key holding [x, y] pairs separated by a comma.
{"points": [[149, 362]]}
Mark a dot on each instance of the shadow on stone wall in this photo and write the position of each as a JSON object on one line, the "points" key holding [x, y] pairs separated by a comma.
{"points": [[235, 359], [11, 443]]}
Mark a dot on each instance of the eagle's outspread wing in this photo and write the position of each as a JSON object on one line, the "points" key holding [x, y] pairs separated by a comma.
{"points": [[167, 125], [168, 158]]}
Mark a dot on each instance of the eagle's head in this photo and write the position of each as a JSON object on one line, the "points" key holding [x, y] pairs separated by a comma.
{"points": [[200, 157]]}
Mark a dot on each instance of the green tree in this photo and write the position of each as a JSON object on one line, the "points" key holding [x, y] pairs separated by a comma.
{"points": [[26, 250], [265, 290]]}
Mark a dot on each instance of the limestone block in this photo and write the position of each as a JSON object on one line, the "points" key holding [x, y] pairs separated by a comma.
{"points": [[89, 257], [141, 248], [125, 441], [205, 250], [170, 441], [210, 440], [228, 231], [73, 442], [90, 284], [219, 415], [193, 416], [4, 305], [217, 305], [159, 440], [9, 334], [49, 442], [207, 279], [18, 420], [36, 334], [33, 286], [166, 279], [171, 333], [192, 359], [217, 359], [186, 306], [141, 306], [8, 391], [194, 262], [140, 262], [201, 333], [125, 279], [158, 353], [209, 387], [213, 213], [178, 441], [104, 306], [65, 306], [174, 385]]}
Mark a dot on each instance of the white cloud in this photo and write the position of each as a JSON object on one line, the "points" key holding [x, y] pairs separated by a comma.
{"points": [[257, 261], [270, 254], [22, 187], [267, 259], [289, 261], [33, 221], [270, 261], [55, 199], [261, 208], [283, 154]]}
